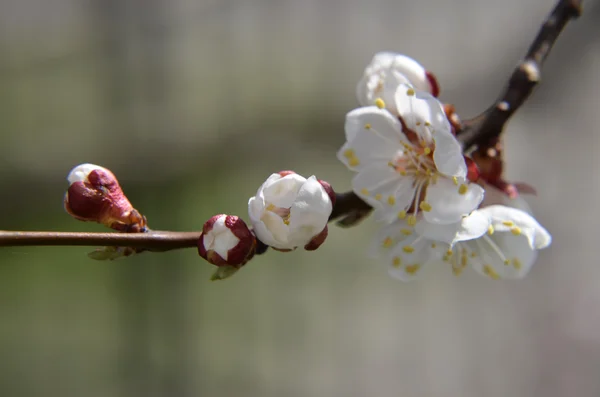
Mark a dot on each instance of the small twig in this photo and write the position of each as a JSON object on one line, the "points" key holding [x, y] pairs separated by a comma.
{"points": [[346, 203], [152, 241], [489, 125]]}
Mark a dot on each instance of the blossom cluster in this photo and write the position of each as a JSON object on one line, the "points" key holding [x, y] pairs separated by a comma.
{"points": [[434, 203], [430, 198]]}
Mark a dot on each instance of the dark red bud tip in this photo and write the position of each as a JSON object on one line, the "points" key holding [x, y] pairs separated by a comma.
{"points": [[329, 190], [317, 240], [473, 173], [104, 179], [86, 203], [285, 173], [226, 227], [435, 87]]}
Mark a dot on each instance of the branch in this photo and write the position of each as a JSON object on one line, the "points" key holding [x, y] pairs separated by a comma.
{"points": [[152, 241], [346, 203], [489, 125]]}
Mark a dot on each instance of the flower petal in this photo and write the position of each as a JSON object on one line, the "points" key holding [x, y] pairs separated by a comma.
{"points": [[278, 231], [282, 192], [256, 206], [382, 187], [449, 202], [373, 119], [407, 260], [422, 112], [448, 156], [507, 219], [502, 256], [368, 147], [383, 75], [469, 228], [388, 236]]}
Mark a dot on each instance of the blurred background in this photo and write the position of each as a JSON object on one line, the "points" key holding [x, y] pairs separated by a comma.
{"points": [[193, 103]]}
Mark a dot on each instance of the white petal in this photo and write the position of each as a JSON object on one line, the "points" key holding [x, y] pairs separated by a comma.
{"points": [[422, 113], [448, 205], [310, 213], [469, 228], [378, 182], [373, 119], [282, 192], [81, 172], [385, 72], [502, 256], [278, 230], [366, 148], [505, 219], [256, 207], [448, 156], [405, 265], [388, 236], [264, 234], [220, 239]]}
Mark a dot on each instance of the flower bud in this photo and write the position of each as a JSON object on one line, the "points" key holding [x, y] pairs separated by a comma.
{"points": [[226, 241], [95, 195], [291, 211], [386, 72]]}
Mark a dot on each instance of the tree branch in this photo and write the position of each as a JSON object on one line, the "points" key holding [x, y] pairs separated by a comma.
{"points": [[489, 125], [349, 208], [152, 240]]}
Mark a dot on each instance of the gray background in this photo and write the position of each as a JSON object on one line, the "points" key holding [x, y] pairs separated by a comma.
{"points": [[193, 104]]}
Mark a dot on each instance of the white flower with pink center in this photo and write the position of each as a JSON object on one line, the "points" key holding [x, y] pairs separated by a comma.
{"points": [[411, 163]]}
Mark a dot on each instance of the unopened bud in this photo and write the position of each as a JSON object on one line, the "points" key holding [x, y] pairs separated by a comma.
{"points": [[291, 211], [226, 241], [94, 195]]}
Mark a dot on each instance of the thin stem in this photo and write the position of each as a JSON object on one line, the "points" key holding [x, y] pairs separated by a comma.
{"points": [[152, 241], [490, 124]]}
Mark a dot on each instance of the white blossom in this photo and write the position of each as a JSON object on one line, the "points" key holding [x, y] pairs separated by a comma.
{"points": [[386, 72], [497, 241], [289, 210], [409, 162]]}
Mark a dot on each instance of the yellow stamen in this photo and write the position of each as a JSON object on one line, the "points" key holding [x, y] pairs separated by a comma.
{"points": [[367, 126], [396, 261], [410, 92], [348, 153], [463, 189], [455, 180], [408, 249], [517, 264], [427, 150], [401, 214], [391, 200], [490, 230], [516, 230], [379, 103], [508, 223], [388, 242], [406, 232], [412, 269], [487, 269], [425, 206], [378, 196], [412, 220], [364, 191]]}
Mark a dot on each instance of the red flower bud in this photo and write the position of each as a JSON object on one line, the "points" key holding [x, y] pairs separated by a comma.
{"points": [[94, 195], [226, 241]]}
